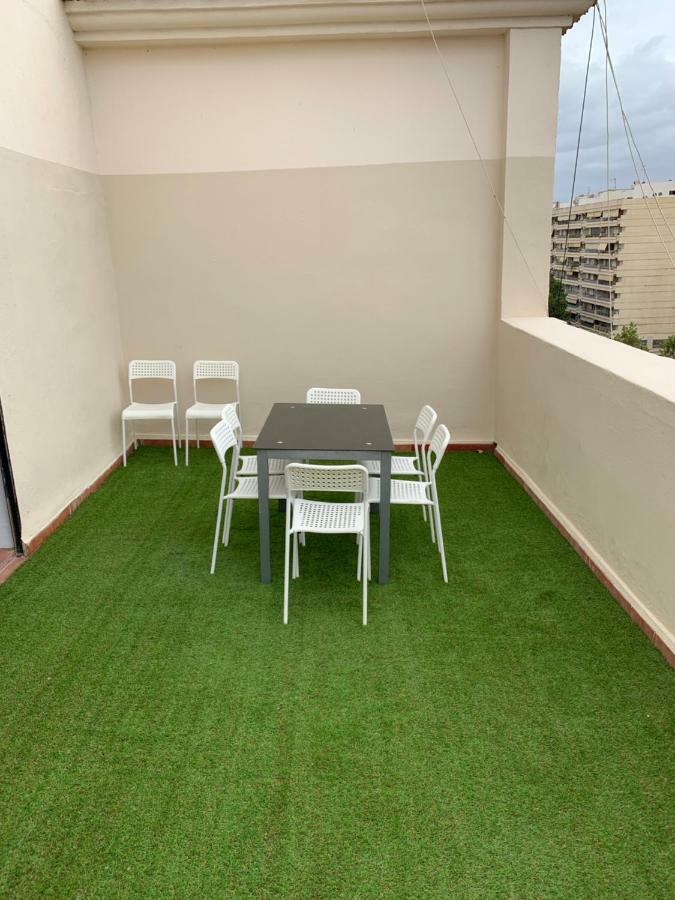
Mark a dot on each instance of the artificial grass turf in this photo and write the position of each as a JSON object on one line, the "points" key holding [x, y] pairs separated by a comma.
{"points": [[162, 734]]}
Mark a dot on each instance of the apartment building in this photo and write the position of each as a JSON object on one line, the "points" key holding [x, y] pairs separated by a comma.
{"points": [[617, 249]]}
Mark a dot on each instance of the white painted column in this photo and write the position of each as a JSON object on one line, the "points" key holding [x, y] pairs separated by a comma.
{"points": [[532, 81]]}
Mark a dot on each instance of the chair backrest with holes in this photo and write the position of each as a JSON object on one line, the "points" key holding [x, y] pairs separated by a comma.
{"points": [[140, 369], [333, 395], [225, 369], [223, 439], [348, 479], [437, 447], [425, 422], [229, 414]]}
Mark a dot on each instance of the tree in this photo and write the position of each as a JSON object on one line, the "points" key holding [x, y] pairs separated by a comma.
{"points": [[668, 347], [630, 335], [557, 301]]}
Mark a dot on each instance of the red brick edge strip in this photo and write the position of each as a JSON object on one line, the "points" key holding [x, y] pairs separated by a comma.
{"points": [[618, 596], [401, 447]]}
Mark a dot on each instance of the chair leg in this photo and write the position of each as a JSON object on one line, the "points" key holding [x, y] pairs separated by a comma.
{"points": [[368, 555], [439, 534], [431, 525], [133, 425], [173, 433], [296, 556], [424, 509], [364, 573], [124, 442], [360, 540], [187, 442], [287, 547], [221, 494], [228, 522], [196, 431]]}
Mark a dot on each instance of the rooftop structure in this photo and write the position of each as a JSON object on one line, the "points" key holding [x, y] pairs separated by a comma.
{"points": [[285, 185], [639, 190]]}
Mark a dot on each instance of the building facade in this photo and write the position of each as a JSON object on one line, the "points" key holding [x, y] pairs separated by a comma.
{"points": [[614, 252]]}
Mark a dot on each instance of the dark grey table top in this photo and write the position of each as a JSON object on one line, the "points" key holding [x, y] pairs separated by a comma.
{"points": [[316, 426]]}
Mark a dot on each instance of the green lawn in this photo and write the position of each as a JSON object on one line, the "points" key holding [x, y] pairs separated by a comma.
{"points": [[162, 734]]}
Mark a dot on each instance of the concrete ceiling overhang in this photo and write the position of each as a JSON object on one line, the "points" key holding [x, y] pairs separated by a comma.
{"points": [[148, 23]]}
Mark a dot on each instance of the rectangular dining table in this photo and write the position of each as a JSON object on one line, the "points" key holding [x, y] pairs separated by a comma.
{"points": [[308, 431]]}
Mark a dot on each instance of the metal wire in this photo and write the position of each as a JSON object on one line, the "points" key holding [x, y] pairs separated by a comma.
{"points": [[576, 158], [629, 135], [478, 153]]}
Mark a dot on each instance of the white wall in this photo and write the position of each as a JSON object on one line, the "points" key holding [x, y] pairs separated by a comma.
{"points": [[45, 109], [297, 105], [59, 325], [533, 73], [590, 425]]}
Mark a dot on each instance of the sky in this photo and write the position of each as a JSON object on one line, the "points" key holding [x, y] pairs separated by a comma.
{"points": [[642, 46]]}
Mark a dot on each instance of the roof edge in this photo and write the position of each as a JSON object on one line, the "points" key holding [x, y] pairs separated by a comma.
{"points": [[143, 23]]}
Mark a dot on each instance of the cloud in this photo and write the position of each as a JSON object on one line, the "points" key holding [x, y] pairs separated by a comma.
{"points": [[646, 76]]}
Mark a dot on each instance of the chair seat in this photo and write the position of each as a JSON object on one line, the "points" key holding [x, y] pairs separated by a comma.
{"points": [[400, 466], [149, 411], [249, 465], [201, 410], [335, 518], [413, 493], [247, 489]]}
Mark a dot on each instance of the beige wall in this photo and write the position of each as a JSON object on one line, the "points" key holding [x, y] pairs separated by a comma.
{"points": [[59, 331], [598, 448], [354, 277], [324, 197]]}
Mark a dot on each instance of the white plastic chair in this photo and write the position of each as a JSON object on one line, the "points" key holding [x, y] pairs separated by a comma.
{"points": [[411, 466], [422, 493], [151, 369], [320, 517], [234, 488], [208, 369], [333, 395], [248, 465]]}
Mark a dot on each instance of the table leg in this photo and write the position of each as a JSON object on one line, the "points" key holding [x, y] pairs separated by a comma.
{"points": [[385, 492], [264, 517]]}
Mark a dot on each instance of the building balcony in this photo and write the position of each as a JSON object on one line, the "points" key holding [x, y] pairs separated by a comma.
{"points": [[597, 252], [594, 241], [591, 324], [597, 298], [594, 313], [595, 268]]}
